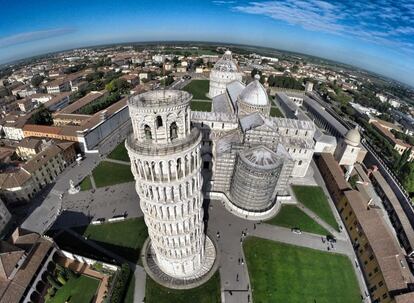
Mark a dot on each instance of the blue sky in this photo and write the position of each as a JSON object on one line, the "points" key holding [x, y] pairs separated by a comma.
{"points": [[376, 35]]}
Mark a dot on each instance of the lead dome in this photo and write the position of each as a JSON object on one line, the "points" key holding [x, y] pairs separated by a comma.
{"points": [[353, 137], [254, 94]]}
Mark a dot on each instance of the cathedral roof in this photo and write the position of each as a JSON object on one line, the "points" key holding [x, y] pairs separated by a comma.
{"points": [[254, 94]]}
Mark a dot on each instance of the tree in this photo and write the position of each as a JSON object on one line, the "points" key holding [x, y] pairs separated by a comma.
{"points": [[116, 85], [255, 71], [37, 80], [42, 116], [119, 289], [407, 176], [403, 160], [53, 282], [169, 80], [198, 62]]}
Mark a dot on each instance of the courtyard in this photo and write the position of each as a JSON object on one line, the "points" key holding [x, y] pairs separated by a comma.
{"points": [[79, 289], [291, 274]]}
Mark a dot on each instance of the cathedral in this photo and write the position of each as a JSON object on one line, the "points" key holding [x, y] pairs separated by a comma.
{"points": [[253, 155]]}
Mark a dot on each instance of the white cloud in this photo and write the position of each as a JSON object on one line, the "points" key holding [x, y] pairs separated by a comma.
{"points": [[33, 36], [382, 22]]}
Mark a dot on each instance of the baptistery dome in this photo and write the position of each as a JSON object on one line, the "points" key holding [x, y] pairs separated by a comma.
{"points": [[223, 72]]}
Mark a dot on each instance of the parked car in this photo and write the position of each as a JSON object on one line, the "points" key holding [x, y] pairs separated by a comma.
{"points": [[331, 238]]}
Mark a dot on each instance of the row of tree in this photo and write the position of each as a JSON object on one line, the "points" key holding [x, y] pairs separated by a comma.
{"points": [[100, 104], [121, 283]]}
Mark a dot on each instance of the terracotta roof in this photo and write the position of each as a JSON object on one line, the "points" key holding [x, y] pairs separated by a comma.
{"points": [[75, 106], [388, 254], [14, 179], [390, 136], [12, 291], [335, 170], [396, 205], [9, 256], [63, 116], [41, 158], [57, 99], [41, 129], [29, 142], [405, 298], [57, 82], [110, 110]]}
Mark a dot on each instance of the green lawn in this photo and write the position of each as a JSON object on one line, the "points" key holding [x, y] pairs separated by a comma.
{"points": [[108, 173], [203, 106], [86, 184], [275, 112], [290, 274], [313, 197], [123, 238], [206, 293], [119, 153], [198, 88], [81, 289], [291, 216]]}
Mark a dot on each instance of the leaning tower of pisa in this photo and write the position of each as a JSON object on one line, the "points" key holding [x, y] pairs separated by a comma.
{"points": [[166, 162]]}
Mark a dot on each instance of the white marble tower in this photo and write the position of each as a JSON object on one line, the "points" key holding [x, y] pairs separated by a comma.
{"points": [[166, 162]]}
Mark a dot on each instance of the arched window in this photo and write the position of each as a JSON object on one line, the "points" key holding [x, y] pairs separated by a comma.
{"points": [[159, 121], [173, 131], [147, 131]]}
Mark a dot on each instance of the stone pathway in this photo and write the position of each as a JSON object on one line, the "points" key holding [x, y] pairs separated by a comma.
{"points": [[117, 161], [318, 220], [92, 181]]}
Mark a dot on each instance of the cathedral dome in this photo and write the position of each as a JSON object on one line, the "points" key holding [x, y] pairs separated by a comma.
{"points": [[254, 94], [352, 137]]}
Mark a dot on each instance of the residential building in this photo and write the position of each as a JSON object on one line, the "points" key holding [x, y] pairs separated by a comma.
{"points": [[28, 148], [5, 217], [58, 86], [23, 183]]}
